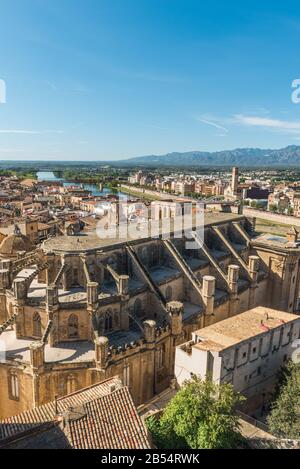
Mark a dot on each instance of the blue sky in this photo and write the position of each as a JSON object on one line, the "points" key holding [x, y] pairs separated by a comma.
{"points": [[111, 79]]}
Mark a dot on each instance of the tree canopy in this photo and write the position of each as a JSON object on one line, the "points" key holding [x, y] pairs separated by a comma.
{"points": [[284, 419], [201, 415]]}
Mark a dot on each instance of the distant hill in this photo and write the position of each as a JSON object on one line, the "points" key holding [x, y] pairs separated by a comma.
{"points": [[289, 156]]}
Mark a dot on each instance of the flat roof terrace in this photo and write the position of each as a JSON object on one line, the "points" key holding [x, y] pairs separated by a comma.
{"points": [[242, 327], [18, 349]]}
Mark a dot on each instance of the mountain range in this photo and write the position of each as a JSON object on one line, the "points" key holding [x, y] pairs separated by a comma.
{"points": [[288, 156]]}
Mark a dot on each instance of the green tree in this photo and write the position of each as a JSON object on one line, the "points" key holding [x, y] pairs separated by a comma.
{"points": [[273, 208], [284, 419], [201, 415]]}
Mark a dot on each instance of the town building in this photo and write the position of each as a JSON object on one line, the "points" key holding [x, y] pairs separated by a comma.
{"points": [[279, 200], [247, 351], [296, 204], [234, 190]]}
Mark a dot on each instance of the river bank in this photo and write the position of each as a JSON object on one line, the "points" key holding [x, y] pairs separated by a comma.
{"points": [[144, 193], [91, 187]]}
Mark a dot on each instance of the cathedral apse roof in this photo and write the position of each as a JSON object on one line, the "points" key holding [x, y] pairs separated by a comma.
{"points": [[91, 241]]}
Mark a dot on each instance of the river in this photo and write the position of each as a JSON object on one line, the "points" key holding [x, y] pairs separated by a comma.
{"points": [[93, 188]]}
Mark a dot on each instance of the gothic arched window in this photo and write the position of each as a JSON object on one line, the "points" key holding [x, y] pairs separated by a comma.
{"points": [[126, 374], [108, 321], [75, 277], [71, 384], [73, 328], [13, 385], [161, 356], [37, 327]]}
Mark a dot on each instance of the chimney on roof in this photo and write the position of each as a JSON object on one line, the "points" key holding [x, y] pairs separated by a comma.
{"points": [[71, 414], [116, 384]]}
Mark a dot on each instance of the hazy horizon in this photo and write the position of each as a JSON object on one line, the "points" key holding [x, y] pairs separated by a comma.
{"points": [[133, 157]]}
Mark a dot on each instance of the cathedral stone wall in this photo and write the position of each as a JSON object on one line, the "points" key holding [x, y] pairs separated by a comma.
{"points": [[122, 310]]}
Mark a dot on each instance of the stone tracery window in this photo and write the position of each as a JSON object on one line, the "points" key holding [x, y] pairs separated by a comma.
{"points": [[37, 326], [108, 321], [161, 356], [71, 383], [73, 327], [13, 385], [126, 374]]}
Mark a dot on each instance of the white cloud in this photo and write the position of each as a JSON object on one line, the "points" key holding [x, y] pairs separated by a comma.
{"points": [[255, 121], [213, 124]]}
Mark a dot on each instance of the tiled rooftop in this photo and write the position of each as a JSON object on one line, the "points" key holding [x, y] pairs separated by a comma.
{"points": [[100, 416]]}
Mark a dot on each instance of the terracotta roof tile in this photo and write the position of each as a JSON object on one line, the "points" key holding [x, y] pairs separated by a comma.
{"points": [[107, 419], [109, 422]]}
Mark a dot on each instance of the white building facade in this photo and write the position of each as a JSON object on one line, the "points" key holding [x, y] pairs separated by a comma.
{"points": [[247, 351]]}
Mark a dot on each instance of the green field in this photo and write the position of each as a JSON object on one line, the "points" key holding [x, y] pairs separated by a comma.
{"points": [[266, 226]]}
